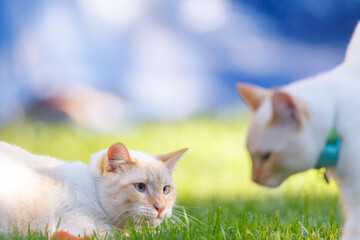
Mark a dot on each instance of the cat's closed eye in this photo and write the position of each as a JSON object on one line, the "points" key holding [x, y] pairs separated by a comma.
{"points": [[265, 156], [140, 187]]}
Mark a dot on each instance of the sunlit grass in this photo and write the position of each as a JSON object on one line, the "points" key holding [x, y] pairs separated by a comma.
{"points": [[213, 179]]}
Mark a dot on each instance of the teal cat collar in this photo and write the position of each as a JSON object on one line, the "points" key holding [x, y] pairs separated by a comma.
{"points": [[330, 152]]}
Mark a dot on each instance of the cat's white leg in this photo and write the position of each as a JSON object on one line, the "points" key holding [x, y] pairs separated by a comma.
{"points": [[351, 231], [350, 202]]}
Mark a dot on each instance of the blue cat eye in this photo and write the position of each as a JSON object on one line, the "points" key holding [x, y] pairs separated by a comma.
{"points": [[166, 189], [140, 187]]}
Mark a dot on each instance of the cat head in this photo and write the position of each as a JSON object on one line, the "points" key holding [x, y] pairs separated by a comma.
{"points": [[279, 139], [135, 187]]}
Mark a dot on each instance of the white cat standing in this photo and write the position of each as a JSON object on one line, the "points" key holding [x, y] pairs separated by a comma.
{"points": [[290, 126], [117, 187]]}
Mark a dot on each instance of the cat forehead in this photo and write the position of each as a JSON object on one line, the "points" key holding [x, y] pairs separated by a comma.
{"points": [[258, 123], [149, 167], [149, 174], [147, 160], [143, 157], [262, 137]]}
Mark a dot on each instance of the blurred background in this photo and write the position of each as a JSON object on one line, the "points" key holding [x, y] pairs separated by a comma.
{"points": [[76, 76], [109, 64]]}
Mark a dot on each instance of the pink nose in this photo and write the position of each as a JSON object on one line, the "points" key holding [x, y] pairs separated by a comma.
{"points": [[159, 208]]}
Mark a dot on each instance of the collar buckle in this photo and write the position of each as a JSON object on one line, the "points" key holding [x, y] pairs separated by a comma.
{"points": [[331, 151]]}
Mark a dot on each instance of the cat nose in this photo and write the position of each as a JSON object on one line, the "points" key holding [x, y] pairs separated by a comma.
{"points": [[159, 208]]}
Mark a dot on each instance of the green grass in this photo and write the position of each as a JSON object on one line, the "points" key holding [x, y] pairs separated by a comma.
{"points": [[213, 181]]}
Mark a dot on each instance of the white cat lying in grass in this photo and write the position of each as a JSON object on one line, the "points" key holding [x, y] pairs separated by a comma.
{"points": [[119, 186], [291, 125]]}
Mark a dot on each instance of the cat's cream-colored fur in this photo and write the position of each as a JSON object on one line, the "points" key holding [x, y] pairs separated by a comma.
{"points": [[291, 124], [42, 192]]}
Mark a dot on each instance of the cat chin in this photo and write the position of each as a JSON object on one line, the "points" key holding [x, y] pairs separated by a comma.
{"points": [[154, 222], [271, 183], [151, 222]]}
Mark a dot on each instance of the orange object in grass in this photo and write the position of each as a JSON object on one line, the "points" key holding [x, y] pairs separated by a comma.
{"points": [[62, 235]]}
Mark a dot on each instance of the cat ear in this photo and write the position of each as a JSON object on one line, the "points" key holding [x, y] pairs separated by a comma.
{"points": [[284, 109], [117, 155], [353, 49], [170, 159], [253, 95]]}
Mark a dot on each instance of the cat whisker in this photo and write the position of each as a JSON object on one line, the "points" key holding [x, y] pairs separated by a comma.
{"points": [[187, 215], [137, 219], [191, 219], [184, 212], [178, 219], [186, 207], [123, 217], [175, 221], [120, 214], [140, 219]]}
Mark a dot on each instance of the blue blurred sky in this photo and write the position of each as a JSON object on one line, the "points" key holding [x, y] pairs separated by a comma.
{"points": [[161, 59]]}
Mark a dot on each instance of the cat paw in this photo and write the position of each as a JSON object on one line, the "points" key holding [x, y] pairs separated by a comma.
{"points": [[62, 235]]}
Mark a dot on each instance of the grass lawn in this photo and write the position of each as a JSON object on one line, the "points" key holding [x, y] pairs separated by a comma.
{"points": [[216, 198]]}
